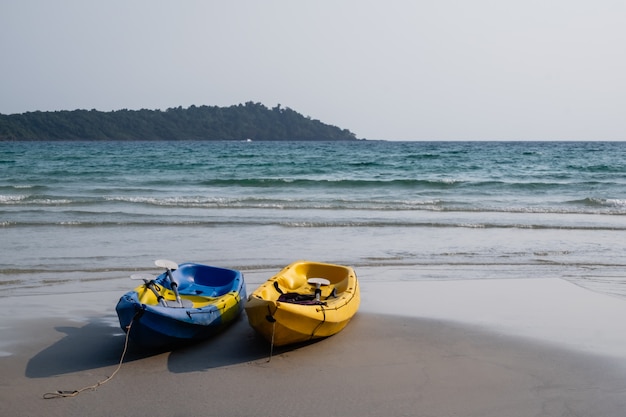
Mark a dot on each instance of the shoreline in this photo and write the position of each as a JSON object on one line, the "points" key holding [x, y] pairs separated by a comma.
{"points": [[471, 348]]}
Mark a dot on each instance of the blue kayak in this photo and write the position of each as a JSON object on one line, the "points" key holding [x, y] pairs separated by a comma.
{"points": [[186, 303]]}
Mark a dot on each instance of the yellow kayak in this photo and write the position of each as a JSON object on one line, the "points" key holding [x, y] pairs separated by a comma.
{"points": [[304, 301]]}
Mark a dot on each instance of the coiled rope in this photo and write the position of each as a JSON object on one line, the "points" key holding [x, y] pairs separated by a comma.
{"points": [[63, 394]]}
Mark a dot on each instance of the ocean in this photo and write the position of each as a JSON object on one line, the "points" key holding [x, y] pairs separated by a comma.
{"points": [[86, 213]]}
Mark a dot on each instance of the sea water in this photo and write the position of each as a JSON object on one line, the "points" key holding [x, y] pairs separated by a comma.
{"points": [[75, 212]]}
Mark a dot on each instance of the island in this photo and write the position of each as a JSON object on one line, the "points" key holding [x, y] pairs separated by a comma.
{"points": [[249, 122]]}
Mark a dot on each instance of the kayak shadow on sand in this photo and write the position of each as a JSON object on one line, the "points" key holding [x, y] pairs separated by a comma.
{"points": [[95, 345], [237, 344], [100, 343]]}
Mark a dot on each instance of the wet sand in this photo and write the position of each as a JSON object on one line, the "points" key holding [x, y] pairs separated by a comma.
{"points": [[388, 361]]}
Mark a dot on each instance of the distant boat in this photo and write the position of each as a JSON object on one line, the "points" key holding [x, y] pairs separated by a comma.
{"points": [[304, 301], [248, 140], [186, 303]]}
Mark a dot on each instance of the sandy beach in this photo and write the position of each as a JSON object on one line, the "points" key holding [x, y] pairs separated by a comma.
{"points": [[517, 347]]}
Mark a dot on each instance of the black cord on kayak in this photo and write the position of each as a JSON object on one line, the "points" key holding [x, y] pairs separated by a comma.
{"points": [[320, 324], [272, 320]]}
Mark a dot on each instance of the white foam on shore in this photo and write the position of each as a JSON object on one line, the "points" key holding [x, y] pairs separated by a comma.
{"points": [[549, 310]]}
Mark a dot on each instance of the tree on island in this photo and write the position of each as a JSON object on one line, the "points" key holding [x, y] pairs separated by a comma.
{"points": [[239, 122]]}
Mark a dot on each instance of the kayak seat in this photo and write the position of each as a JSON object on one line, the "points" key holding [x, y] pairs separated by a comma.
{"points": [[306, 298], [219, 291], [205, 281], [297, 298], [328, 292], [194, 289]]}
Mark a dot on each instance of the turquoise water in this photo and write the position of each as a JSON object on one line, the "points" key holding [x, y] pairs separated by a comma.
{"points": [[73, 211]]}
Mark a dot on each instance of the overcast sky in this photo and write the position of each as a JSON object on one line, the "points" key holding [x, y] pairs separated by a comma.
{"points": [[386, 69]]}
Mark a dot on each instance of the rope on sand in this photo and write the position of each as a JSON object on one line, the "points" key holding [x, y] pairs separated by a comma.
{"points": [[272, 344], [63, 394]]}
